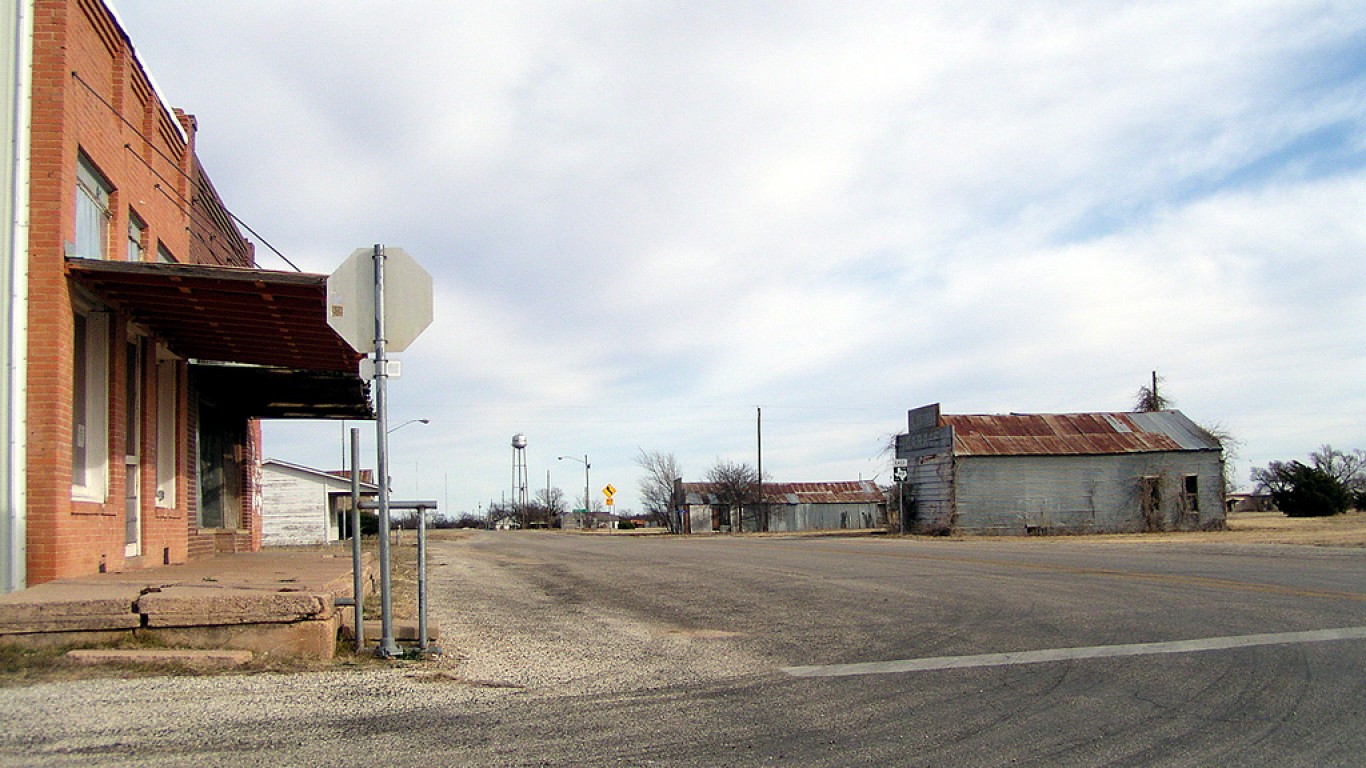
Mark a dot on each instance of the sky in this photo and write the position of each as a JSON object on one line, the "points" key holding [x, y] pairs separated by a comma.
{"points": [[646, 221]]}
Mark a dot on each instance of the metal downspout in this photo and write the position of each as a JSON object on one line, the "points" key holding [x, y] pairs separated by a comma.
{"points": [[13, 448]]}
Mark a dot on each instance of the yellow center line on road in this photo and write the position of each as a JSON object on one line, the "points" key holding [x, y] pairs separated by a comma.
{"points": [[1161, 578]]}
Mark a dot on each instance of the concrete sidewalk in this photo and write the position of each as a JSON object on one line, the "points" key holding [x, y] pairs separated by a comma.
{"points": [[276, 602]]}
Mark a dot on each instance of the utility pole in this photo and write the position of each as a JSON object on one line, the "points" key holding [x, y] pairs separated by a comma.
{"points": [[762, 519]]}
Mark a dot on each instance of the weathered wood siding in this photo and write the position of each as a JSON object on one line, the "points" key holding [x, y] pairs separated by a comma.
{"points": [[294, 509], [1085, 494], [928, 450]]}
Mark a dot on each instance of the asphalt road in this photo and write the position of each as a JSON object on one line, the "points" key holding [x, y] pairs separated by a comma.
{"points": [[570, 650]]}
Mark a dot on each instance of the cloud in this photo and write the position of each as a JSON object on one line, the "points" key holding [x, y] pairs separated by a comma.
{"points": [[643, 221]]}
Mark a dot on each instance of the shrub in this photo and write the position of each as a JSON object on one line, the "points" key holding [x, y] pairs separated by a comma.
{"points": [[1303, 491]]}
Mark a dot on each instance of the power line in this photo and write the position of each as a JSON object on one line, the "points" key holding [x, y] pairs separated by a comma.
{"points": [[176, 165]]}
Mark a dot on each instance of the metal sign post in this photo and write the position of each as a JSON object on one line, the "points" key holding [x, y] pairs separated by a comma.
{"points": [[358, 312], [357, 567], [899, 469], [387, 647]]}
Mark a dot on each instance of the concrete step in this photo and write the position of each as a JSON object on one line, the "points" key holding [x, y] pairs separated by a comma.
{"points": [[188, 657], [405, 631]]}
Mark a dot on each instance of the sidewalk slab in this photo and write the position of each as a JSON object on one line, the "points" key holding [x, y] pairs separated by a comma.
{"points": [[70, 606], [277, 601]]}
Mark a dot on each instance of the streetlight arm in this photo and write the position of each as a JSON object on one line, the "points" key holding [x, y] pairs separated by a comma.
{"points": [[406, 423]]}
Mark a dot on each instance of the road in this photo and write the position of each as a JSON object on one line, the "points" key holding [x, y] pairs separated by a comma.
{"points": [[569, 650]]}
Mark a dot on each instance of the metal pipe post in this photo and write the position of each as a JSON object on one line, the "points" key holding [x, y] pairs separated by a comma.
{"points": [[357, 565], [901, 503], [422, 578], [387, 647]]}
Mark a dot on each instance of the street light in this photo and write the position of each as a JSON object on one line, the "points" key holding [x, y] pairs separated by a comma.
{"points": [[586, 467], [390, 480], [409, 421]]}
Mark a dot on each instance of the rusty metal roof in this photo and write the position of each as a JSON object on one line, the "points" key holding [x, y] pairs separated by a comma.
{"points": [[225, 314], [1075, 434], [259, 339], [842, 492]]}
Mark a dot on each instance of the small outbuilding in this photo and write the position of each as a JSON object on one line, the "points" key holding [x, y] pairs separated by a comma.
{"points": [[789, 506], [305, 506], [1060, 473]]}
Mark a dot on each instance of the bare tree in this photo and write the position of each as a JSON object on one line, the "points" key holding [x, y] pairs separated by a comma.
{"points": [[657, 494], [1349, 469], [1150, 399], [736, 486], [550, 504], [501, 510], [1228, 445]]}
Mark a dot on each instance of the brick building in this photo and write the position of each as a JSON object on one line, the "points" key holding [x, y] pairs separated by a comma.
{"points": [[154, 345]]}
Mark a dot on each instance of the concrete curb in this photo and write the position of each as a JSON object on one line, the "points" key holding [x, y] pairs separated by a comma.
{"points": [[220, 658]]}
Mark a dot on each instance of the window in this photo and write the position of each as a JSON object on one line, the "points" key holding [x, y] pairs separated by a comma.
{"points": [[137, 230], [1192, 493], [168, 450], [164, 255], [92, 212], [89, 406]]}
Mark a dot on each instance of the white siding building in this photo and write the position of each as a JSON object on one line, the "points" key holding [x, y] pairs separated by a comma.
{"points": [[303, 506]]}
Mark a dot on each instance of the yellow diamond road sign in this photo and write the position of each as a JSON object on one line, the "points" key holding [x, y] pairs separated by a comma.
{"points": [[609, 491]]}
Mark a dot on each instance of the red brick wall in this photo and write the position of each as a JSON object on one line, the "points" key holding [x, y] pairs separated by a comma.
{"points": [[90, 96]]}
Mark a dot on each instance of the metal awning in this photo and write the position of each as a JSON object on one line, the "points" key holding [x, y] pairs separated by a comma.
{"points": [[286, 361], [282, 393]]}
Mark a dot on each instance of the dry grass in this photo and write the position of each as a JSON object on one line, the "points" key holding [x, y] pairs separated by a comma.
{"points": [[1347, 530], [403, 571]]}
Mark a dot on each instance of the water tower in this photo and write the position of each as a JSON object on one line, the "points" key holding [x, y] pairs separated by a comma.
{"points": [[519, 498]]}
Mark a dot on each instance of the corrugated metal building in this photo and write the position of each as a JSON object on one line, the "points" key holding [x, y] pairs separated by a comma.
{"points": [[1060, 473], [791, 507]]}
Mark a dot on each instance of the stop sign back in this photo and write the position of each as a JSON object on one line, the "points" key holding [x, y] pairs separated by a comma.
{"points": [[407, 300]]}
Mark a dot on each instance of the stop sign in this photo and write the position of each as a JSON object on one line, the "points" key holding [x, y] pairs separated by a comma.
{"points": [[407, 300]]}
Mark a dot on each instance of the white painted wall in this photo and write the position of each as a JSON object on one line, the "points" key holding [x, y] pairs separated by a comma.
{"points": [[295, 508]]}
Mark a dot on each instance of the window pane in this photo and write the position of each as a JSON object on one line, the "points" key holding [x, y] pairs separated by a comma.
{"points": [[90, 406], [167, 449], [132, 379], [78, 403], [135, 231], [92, 212]]}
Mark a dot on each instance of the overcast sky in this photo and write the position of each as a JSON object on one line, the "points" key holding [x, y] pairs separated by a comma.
{"points": [[644, 220]]}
